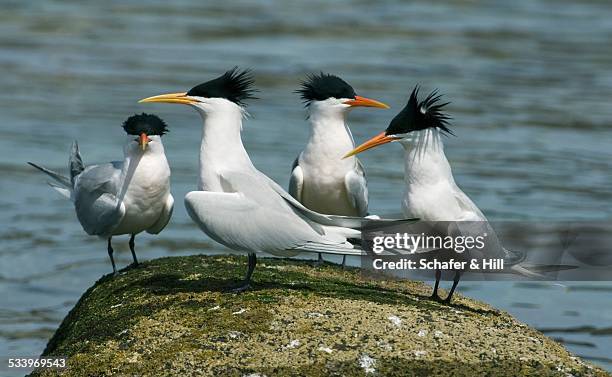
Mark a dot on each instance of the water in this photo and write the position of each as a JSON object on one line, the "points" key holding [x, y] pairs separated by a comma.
{"points": [[530, 85]]}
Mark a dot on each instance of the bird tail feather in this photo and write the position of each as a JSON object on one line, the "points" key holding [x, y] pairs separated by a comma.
{"points": [[63, 191], [75, 163], [338, 249], [61, 184], [535, 271], [520, 270]]}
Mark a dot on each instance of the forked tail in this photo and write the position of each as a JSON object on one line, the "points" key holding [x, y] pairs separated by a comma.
{"points": [[61, 183]]}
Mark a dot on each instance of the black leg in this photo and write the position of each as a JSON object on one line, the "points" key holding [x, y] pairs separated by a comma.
{"points": [[455, 282], [319, 260], [343, 261], [110, 254], [247, 279], [132, 250], [434, 295], [252, 264]]}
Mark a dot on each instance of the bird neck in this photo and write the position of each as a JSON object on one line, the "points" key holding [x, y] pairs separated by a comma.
{"points": [[330, 136], [425, 161], [149, 167], [221, 147]]}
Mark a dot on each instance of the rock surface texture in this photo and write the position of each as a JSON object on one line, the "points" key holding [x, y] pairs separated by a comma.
{"points": [[178, 317]]}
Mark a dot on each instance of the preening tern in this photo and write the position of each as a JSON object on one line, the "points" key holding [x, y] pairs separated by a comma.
{"points": [[122, 197]]}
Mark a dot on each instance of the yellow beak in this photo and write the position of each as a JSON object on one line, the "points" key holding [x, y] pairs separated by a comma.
{"points": [[377, 140], [366, 102], [181, 98]]}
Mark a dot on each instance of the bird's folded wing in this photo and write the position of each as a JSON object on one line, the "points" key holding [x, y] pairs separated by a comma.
{"points": [[470, 212], [357, 188], [296, 181], [98, 208], [99, 213], [329, 220], [242, 223], [104, 177], [164, 217]]}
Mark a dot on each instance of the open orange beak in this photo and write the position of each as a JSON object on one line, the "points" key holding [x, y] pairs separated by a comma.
{"points": [[377, 140], [366, 102], [181, 98], [143, 141]]}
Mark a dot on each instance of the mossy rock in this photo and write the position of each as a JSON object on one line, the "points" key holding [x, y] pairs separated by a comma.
{"points": [[178, 317]]}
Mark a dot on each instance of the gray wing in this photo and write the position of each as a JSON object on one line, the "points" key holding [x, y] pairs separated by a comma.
{"points": [[357, 188], [98, 208], [296, 181], [164, 217], [250, 215], [239, 222]]}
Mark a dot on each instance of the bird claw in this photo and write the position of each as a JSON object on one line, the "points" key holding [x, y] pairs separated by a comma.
{"points": [[244, 287], [436, 298]]}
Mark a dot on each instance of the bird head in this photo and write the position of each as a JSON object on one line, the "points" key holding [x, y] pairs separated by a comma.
{"points": [[143, 129], [325, 92], [228, 90], [415, 116]]}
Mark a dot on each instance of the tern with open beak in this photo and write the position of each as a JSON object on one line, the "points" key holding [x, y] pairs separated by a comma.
{"points": [[320, 179], [431, 193], [236, 204], [122, 197]]}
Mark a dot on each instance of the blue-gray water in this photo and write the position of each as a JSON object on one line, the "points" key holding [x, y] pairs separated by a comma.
{"points": [[530, 84]]}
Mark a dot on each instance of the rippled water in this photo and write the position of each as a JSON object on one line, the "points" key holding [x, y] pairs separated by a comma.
{"points": [[530, 84]]}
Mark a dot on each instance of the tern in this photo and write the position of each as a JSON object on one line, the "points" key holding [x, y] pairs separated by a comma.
{"points": [[431, 193], [236, 204], [122, 197], [320, 179]]}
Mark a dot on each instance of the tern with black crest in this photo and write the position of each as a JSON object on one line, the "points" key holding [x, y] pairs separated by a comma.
{"points": [[431, 193], [236, 204], [320, 179], [122, 197]]}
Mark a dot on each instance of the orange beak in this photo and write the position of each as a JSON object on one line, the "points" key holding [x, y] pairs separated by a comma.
{"points": [[181, 98], [366, 102], [144, 140], [377, 140]]}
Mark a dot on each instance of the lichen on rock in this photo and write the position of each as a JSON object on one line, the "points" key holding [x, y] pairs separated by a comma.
{"points": [[178, 316]]}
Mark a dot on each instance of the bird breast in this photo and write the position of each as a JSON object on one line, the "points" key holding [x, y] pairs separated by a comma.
{"points": [[324, 188], [145, 198]]}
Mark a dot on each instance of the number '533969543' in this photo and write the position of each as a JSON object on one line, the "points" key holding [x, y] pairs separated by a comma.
{"points": [[34, 362]]}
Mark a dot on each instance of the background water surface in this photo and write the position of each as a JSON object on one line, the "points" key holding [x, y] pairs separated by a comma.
{"points": [[530, 84]]}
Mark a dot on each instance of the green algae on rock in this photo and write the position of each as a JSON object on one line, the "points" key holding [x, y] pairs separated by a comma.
{"points": [[177, 316]]}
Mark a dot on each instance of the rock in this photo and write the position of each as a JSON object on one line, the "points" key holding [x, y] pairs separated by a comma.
{"points": [[178, 316]]}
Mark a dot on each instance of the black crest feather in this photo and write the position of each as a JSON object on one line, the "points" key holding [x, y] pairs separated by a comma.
{"points": [[235, 85], [420, 115], [148, 123], [319, 87]]}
